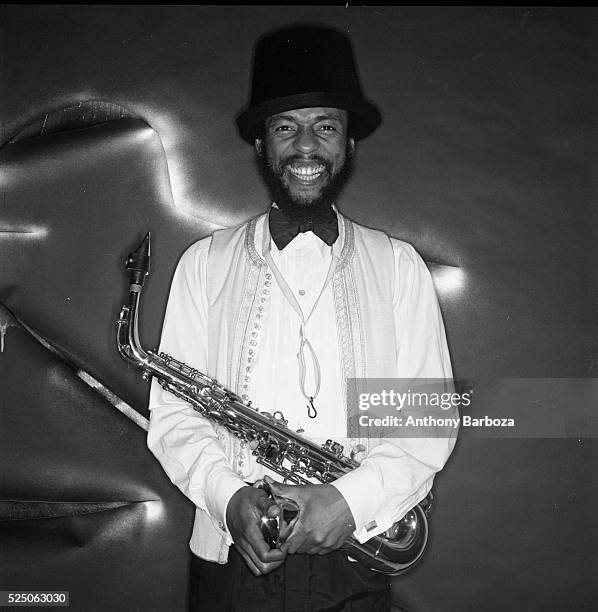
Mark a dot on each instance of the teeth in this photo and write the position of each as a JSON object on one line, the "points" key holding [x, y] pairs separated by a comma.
{"points": [[306, 172]]}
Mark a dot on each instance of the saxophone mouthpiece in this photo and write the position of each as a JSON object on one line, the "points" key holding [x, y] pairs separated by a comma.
{"points": [[138, 262]]}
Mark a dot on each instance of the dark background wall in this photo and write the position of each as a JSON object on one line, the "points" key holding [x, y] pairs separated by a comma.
{"points": [[484, 162]]}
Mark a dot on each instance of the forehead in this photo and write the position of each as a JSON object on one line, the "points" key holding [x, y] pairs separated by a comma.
{"points": [[310, 115]]}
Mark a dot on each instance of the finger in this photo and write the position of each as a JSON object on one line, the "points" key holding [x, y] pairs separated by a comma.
{"points": [[286, 529], [261, 561], [249, 561], [271, 555], [260, 548], [304, 547], [291, 546], [279, 488], [266, 568], [271, 567], [291, 538], [311, 547], [268, 507]]}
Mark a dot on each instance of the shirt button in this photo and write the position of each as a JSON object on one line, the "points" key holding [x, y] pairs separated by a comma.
{"points": [[301, 291], [221, 525]]}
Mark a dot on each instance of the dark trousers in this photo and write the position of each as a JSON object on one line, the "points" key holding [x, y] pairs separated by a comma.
{"points": [[303, 583]]}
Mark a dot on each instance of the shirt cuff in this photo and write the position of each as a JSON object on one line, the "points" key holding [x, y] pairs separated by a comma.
{"points": [[366, 500], [224, 485]]}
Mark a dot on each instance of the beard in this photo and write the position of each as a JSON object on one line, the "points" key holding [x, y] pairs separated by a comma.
{"points": [[301, 208]]}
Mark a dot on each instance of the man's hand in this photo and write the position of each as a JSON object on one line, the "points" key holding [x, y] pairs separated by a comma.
{"points": [[324, 522], [243, 513]]}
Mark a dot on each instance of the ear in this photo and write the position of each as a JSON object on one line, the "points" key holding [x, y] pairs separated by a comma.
{"points": [[258, 144], [351, 145]]}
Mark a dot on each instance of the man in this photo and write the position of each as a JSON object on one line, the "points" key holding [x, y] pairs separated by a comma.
{"points": [[283, 310]]}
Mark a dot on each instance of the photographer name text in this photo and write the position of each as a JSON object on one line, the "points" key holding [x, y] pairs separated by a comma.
{"points": [[431, 421]]}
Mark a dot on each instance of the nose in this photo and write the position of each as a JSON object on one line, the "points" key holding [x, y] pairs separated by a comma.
{"points": [[305, 140]]}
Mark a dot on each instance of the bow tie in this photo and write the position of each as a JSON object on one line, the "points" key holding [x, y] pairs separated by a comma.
{"points": [[283, 229]]}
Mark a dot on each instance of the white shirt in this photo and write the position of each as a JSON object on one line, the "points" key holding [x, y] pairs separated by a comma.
{"points": [[397, 474]]}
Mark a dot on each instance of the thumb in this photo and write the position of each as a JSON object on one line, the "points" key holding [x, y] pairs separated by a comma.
{"points": [[288, 492], [268, 506], [278, 488], [273, 510]]}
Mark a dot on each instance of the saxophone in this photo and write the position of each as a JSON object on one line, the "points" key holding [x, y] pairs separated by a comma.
{"points": [[275, 446]]}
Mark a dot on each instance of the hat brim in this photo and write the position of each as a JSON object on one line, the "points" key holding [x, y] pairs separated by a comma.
{"points": [[364, 117]]}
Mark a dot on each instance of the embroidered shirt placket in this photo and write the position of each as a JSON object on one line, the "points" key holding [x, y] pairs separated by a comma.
{"points": [[304, 342]]}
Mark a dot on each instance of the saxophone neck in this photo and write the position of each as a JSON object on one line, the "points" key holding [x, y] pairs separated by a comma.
{"points": [[138, 266]]}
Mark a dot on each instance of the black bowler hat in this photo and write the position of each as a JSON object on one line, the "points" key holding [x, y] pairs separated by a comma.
{"points": [[304, 67]]}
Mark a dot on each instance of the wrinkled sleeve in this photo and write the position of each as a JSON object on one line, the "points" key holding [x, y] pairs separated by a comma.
{"points": [[185, 443], [398, 473]]}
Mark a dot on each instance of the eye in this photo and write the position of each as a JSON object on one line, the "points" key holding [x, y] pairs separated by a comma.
{"points": [[327, 128], [285, 127]]}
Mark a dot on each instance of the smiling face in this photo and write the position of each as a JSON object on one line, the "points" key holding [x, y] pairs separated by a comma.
{"points": [[306, 154]]}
